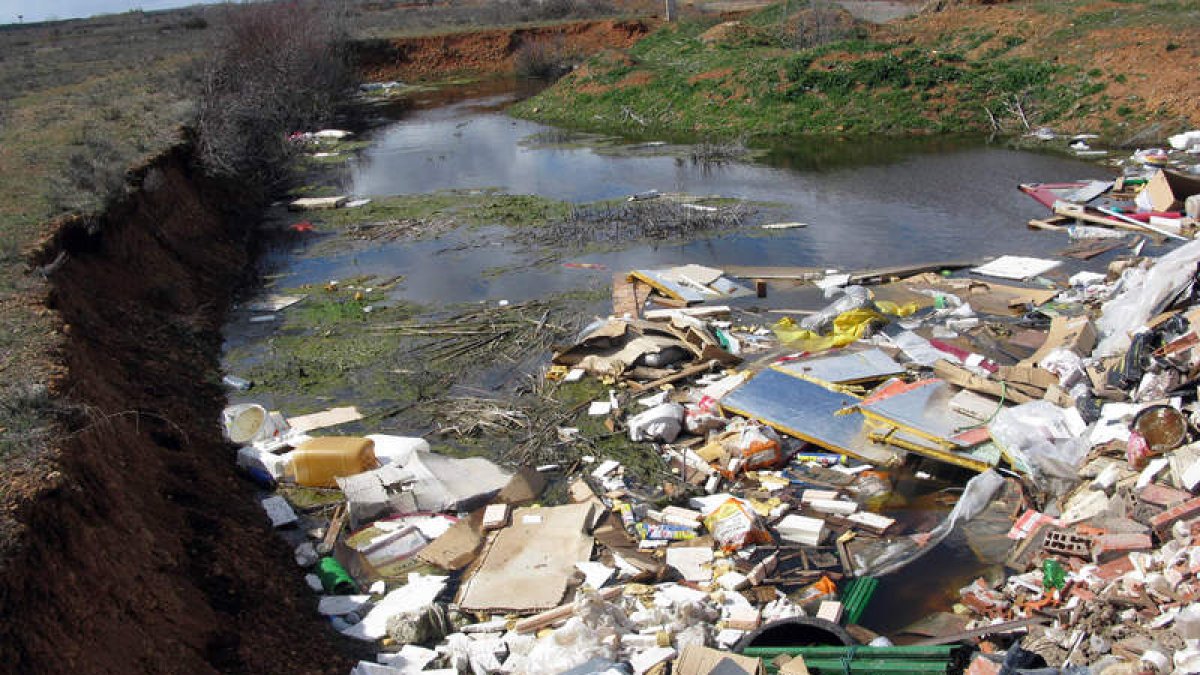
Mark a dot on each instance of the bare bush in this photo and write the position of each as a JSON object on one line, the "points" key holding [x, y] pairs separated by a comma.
{"points": [[280, 67], [541, 58], [816, 22]]}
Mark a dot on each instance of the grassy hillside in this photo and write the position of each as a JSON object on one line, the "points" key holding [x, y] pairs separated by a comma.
{"points": [[1121, 68]]}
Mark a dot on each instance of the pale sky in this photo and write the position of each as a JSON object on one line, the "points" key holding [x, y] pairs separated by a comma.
{"points": [[47, 10]]}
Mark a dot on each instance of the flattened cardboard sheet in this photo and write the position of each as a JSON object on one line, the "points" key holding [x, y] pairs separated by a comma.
{"points": [[529, 564]]}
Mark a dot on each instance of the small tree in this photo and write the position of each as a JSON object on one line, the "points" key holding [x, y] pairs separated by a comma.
{"points": [[280, 67]]}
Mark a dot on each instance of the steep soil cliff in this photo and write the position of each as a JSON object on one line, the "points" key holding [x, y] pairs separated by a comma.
{"points": [[487, 52], [145, 552]]}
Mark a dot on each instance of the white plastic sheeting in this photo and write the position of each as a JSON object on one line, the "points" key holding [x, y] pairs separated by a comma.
{"points": [[1144, 294], [1047, 439]]}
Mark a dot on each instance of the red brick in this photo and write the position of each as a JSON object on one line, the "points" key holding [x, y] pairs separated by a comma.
{"points": [[1163, 521], [1110, 545], [1083, 594], [982, 666], [1162, 495], [1115, 568]]}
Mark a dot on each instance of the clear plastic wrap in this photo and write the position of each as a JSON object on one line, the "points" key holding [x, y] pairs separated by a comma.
{"points": [[853, 297], [1144, 294], [1045, 438], [978, 494]]}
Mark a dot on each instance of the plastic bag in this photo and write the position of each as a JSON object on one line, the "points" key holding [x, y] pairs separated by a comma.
{"points": [[813, 594], [1066, 365], [847, 328], [660, 423], [851, 322], [703, 417], [1143, 296], [1047, 439], [978, 494], [758, 447], [734, 524]]}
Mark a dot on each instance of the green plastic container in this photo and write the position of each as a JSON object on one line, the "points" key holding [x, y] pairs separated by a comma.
{"points": [[334, 578]]}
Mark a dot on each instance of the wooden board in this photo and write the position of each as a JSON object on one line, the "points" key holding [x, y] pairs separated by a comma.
{"points": [[807, 411], [629, 296]]}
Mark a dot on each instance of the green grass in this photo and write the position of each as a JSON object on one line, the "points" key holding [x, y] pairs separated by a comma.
{"points": [[672, 84]]}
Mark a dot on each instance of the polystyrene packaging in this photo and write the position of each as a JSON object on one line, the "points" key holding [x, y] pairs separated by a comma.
{"points": [[565, 648]]}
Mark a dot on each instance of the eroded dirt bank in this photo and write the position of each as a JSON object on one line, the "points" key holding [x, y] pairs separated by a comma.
{"points": [[149, 554], [487, 52]]}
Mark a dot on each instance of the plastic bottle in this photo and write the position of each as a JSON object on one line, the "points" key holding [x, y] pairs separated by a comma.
{"points": [[317, 462], [1053, 574], [854, 297], [334, 578]]}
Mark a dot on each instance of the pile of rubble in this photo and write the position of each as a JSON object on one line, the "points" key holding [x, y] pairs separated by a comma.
{"points": [[1036, 411]]}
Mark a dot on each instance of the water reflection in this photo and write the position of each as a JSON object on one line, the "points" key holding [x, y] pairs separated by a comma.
{"points": [[868, 201]]}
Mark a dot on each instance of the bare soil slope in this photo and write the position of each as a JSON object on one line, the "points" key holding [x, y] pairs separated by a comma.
{"points": [[487, 52], [144, 552]]}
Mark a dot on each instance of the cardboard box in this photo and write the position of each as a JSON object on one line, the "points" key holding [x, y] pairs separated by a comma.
{"points": [[1075, 333], [794, 666], [1168, 190], [697, 660]]}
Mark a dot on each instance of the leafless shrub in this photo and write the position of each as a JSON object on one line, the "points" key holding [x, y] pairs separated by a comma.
{"points": [[816, 22], [281, 67], [541, 58]]}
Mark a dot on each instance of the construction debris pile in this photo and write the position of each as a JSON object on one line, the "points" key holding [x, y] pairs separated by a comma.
{"points": [[1036, 411]]}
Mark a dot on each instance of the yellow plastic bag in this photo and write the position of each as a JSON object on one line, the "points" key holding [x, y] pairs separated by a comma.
{"points": [[848, 327]]}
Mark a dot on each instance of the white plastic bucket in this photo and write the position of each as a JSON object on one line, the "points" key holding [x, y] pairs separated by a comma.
{"points": [[247, 423]]}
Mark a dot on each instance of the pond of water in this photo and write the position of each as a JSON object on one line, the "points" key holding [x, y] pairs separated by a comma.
{"points": [[867, 202]]}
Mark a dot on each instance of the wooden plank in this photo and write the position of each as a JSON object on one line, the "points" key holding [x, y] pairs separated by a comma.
{"points": [[335, 528], [899, 271], [961, 377], [1080, 213], [552, 616], [1052, 224], [685, 373], [856, 277], [774, 273], [629, 296], [994, 629], [1088, 249]]}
